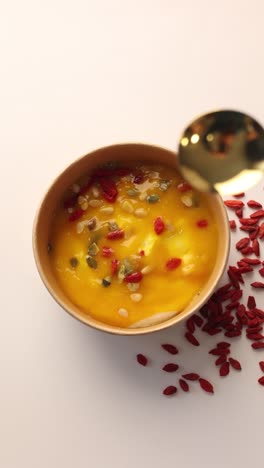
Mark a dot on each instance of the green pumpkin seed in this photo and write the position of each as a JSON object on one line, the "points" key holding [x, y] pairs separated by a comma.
{"points": [[153, 199], [106, 282], [92, 263], [93, 249], [74, 262], [112, 226], [164, 185], [133, 192], [128, 266], [121, 272]]}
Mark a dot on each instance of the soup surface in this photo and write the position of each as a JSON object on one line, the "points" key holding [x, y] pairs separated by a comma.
{"points": [[133, 245]]}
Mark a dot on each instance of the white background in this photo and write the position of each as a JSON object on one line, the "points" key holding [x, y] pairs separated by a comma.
{"points": [[76, 75]]}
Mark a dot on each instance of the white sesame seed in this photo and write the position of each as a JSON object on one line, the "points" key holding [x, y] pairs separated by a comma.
{"points": [[95, 192], [70, 210], [136, 297], [76, 188], [147, 269], [140, 213], [142, 196], [107, 209], [95, 203], [127, 207], [187, 201], [123, 312]]}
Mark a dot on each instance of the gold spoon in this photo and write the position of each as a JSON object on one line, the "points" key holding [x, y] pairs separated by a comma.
{"points": [[222, 151]]}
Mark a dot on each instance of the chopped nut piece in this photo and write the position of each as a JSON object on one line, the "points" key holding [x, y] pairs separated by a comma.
{"points": [[140, 213], [80, 227], [95, 203], [187, 200], [136, 297], [147, 269], [123, 312], [133, 286], [107, 209], [127, 207]]}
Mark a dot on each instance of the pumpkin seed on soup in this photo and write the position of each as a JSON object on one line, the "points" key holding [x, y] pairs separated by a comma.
{"points": [[153, 199], [92, 263], [133, 192], [128, 266], [121, 273], [106, 282], [112, 226], [164, 185], [93, 249]]}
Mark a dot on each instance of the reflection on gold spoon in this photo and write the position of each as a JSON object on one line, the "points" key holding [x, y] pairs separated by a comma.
{"points": [[222, 151]]}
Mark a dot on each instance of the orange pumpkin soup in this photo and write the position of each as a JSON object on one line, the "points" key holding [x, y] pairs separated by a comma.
{"points": [[133, 245]]}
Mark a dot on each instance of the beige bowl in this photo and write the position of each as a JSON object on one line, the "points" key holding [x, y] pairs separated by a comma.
{"points": [[44, 216]]}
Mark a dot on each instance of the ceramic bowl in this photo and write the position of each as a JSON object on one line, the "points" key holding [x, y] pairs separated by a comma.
{"points": [[50, 203]]}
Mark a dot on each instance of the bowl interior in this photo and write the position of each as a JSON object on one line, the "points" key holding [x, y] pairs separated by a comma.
{"points": [[50, 203]]}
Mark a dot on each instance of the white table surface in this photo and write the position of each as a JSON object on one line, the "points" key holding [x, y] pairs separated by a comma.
{"points": [[76, 75]]}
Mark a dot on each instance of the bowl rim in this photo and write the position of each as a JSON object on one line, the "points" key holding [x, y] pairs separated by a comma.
{"points": [[87, 319]]}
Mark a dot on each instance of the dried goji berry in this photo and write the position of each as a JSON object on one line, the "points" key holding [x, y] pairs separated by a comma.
{"points": [[159, 225]]}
